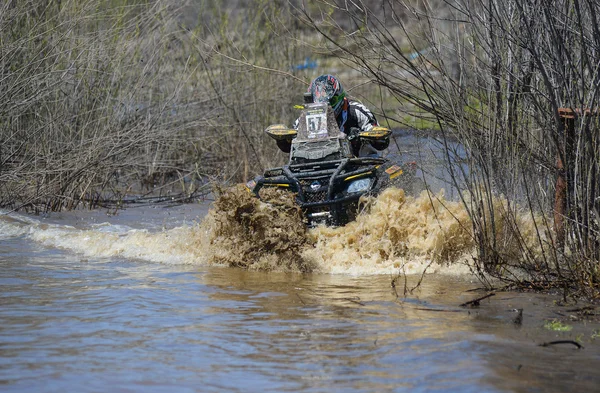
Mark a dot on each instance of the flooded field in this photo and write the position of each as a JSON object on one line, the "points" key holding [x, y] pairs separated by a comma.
{"points": [[144, 301]]}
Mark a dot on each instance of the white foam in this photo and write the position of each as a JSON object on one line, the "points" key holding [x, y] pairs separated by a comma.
{"points": [[400, 234]]}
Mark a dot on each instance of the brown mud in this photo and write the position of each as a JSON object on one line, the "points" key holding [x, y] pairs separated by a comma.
{"points": [[393, 233], [248, 233]]}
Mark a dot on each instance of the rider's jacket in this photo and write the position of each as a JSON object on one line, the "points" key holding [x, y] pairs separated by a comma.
{"points": [[356, 115]]}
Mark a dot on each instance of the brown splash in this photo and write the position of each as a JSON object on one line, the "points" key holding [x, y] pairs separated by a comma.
{"points": [[394, 231], [249, 233]]}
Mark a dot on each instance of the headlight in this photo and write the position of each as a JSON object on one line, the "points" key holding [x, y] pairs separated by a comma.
{"points": [[359, 185]]}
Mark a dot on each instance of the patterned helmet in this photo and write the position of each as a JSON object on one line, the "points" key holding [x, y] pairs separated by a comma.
{"points": [[326, 88]]}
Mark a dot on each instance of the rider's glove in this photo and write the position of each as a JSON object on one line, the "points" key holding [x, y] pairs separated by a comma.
{"points": [[353, 133]]}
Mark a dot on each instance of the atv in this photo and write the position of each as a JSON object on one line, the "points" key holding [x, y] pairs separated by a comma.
{"points": [[327, 178]]}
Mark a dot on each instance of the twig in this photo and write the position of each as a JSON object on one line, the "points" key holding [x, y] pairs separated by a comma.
{"points": [[586, 309], [354, 300], [518, 320], [579, 346], [436, 309], [475, 302]]}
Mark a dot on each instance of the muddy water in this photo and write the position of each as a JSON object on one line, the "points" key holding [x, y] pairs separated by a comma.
{"points": [[145, 301]]}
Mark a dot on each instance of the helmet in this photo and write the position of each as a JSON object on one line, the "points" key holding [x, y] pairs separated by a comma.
{"points": [[327, 88]]}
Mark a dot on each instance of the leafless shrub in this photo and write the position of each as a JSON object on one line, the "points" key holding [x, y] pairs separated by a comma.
{"points": [[85, 100], [246, 59], [493, 75], [101, 100]]}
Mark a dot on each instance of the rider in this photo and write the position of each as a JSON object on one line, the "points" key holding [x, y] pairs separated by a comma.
{"points": [[351, 115]]}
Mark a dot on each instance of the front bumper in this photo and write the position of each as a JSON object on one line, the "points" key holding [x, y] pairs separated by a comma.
{"points": [[321, 188]]}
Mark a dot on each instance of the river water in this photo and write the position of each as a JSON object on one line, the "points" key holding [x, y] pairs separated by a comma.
{"points": [[95, 302]]}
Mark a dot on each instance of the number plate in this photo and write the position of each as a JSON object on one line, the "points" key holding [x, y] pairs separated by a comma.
{"points": [[316, 124]]}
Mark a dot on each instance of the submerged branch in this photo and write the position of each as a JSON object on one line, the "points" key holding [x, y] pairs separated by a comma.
{"points": [[476, 302]]}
